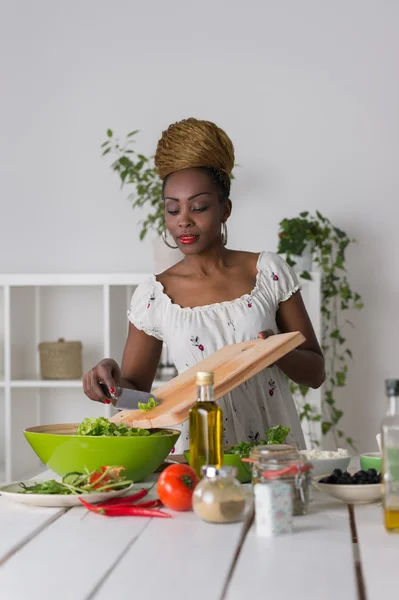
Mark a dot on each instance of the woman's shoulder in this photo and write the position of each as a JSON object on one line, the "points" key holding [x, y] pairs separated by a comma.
{"points": [[266, 259], [148, 291], [276, 274]]}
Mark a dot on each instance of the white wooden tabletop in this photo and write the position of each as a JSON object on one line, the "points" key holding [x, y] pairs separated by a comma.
{"points": [[71, 554]]}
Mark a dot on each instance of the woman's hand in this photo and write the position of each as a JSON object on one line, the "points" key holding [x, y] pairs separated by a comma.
{"points": [[263, 335], [107, 371]]}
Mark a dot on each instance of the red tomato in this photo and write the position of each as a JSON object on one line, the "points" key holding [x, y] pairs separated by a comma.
{"points": [[176, 485], [112, 475]]}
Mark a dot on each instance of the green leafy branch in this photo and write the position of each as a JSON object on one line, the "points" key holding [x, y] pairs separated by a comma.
{"points": [[328, 245], [137, 170]]}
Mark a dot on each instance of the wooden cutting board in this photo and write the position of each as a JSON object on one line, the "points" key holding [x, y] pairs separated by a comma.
{"points": [[231, 365]]}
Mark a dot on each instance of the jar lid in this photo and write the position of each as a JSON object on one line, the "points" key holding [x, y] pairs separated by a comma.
{"points": [[212, 471], [274, 451]]}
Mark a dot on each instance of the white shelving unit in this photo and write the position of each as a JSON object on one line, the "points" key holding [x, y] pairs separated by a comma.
{"points": [[86, 307]]}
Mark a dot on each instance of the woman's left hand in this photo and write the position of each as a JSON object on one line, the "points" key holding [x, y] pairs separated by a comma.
{"points": [[263, 335]]}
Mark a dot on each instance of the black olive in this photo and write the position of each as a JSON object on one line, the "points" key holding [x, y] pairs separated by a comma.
{"points": [[337, 472]]}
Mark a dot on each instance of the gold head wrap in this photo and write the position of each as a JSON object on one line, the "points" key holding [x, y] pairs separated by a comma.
{"points": [[192, 143]]}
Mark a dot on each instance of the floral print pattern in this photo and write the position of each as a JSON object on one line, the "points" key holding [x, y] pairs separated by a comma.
{"points": [[272, 387], [151, 299], [196, 342], [197, 332]]}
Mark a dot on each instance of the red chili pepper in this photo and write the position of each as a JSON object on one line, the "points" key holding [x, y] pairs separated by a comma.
{"points": [[124, 511], [147, 504], [132, 511], [124, 499]]}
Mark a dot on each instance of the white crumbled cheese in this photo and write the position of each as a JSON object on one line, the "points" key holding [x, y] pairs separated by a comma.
{"points": [[321, 454]]}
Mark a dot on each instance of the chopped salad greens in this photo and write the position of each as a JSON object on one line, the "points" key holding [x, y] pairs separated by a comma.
{"points": [[146, 406], [275, 435], [104, 479], [102, 427]]}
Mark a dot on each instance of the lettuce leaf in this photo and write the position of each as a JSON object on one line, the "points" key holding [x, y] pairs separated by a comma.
{"points": [[275, 435], [102, 427], [146, 406]]}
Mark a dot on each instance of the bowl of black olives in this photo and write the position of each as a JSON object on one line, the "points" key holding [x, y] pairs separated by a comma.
{"points": [[362, 487]]}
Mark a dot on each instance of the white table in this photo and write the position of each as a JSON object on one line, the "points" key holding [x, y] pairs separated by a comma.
{"points": [[76, 555]]}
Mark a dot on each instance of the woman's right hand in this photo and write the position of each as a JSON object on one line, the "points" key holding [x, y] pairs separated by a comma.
{"points": [[108, 371]]}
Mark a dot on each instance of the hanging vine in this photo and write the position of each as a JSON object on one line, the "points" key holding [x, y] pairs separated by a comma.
{"points": [[327, 245]]}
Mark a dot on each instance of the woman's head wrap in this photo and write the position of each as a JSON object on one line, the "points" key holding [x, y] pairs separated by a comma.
{"points": [[191, 144]]}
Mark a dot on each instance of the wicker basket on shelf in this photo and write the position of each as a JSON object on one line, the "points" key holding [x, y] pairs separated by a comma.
{"points": [[60, 360]]}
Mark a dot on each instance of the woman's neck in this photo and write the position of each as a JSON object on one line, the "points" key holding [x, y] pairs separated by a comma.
{"points": [[205, 263]]}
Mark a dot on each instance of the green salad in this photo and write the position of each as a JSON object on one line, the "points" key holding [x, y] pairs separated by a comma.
{"points": [[103, 479], [146, 406], [101, 426], [275, 435]]}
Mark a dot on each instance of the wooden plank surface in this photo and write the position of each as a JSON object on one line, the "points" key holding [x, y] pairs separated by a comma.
{"points": [[176, 559], [314, 563], [69, 558], [379, 553], [232, 366], [19, 523], [83, 555]]}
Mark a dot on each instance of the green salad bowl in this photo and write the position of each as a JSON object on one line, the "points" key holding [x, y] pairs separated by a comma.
{"points": [[371, 460], [244, 473], [62, 451]]}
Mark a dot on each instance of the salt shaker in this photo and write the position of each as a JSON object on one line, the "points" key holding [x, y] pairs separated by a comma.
{"points": [[273, 509]]}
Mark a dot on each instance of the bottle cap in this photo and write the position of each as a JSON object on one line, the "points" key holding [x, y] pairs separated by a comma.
{"points": [[392, 387], [205, 378], [212, 471]]}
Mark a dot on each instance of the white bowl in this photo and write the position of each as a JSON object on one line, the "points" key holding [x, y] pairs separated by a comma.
{"points": [[351, 494], [325, 466]]}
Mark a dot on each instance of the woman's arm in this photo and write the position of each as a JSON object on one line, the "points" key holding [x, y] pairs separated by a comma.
{"points": [[140, 360], [305, 364]]}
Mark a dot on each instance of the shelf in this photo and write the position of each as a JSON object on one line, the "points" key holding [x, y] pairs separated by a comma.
{"points": [[46, 383], [72, 279], [58, 383]]}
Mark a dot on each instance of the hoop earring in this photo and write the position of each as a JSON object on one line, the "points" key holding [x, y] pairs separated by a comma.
{"points": [[224, 234], [165, 241]]}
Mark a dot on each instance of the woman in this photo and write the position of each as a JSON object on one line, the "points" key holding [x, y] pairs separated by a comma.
{"points": [[214, 296]]}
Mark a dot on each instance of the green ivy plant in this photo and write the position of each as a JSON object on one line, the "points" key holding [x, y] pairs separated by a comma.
{"points": [[139, 171], [327, 245]]}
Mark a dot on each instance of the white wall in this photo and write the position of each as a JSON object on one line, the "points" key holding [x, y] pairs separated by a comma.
{"points": [[308, 91]]}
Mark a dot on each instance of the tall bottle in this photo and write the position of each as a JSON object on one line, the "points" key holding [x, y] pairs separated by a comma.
{"points": [[206, 426], [390, 456]]}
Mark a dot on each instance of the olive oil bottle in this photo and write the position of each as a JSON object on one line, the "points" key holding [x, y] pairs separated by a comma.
{"points": [[206, 426], [390, 457]]}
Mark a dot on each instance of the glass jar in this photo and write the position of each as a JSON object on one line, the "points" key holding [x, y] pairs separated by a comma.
{"points": [[219, 497], [283, 463]]}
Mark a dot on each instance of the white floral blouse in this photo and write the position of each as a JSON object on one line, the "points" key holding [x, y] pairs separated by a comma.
{"points": [[192, 334]]}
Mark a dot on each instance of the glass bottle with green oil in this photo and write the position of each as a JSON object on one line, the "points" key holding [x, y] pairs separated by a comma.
{"points": [[206, 426], [390, 456]]}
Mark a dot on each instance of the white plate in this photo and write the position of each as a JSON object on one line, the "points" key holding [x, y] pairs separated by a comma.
{"points": [[11, 492], [351, 494]]}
